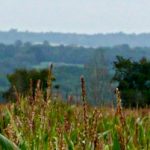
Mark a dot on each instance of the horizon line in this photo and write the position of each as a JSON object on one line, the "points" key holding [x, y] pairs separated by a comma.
{"points": [[77, 33]]}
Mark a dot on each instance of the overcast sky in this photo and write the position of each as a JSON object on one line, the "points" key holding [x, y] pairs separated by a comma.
{"points": [[81, 16]]}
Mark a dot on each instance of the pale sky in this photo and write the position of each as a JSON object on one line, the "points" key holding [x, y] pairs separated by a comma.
{"points": [[81, 16]]}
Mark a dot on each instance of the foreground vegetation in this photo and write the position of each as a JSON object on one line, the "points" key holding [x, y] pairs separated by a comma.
{"points": [[35, 123]]}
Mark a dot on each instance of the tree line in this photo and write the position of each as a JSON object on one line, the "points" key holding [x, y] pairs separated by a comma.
{"points": [[132, 77]]}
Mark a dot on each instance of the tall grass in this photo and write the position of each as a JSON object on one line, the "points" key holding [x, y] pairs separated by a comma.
{"points": [[38, 124]]}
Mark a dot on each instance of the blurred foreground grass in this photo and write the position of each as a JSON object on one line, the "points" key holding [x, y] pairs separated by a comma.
{"points": [[51, 125]]}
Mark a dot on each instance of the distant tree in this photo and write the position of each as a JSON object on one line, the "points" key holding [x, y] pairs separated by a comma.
{"points": [[28, 44], [134, 81], [45, 43], [18, 43], [98, 79], [21, 79]]}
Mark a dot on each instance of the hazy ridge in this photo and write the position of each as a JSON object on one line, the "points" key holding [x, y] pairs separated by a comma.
{"points": [[93, 40]]}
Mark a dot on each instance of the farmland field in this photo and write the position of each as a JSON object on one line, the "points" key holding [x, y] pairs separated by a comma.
{"points": [[53, 124]]}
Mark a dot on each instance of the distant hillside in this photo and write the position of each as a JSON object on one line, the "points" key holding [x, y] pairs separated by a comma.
{"points": [[95, 40], [69, 58]]}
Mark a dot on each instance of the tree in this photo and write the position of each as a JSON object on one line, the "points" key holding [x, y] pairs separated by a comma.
{"points": [[21, 80], [133, 80], [98, 79]]}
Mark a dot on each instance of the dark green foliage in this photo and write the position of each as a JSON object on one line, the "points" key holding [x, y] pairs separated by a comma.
{"points": [[6, 144], [21, 80], [68, 59], [134, 81]]}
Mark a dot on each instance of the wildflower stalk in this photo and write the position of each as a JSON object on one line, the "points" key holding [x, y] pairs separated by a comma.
{"points": [[38, 92], [49, 83], [119, 107], [17, 96], [31, 99], [122, 120], [84, 110]]}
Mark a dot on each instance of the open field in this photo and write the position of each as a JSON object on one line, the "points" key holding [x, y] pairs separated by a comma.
{"points": [[53, 124]]}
